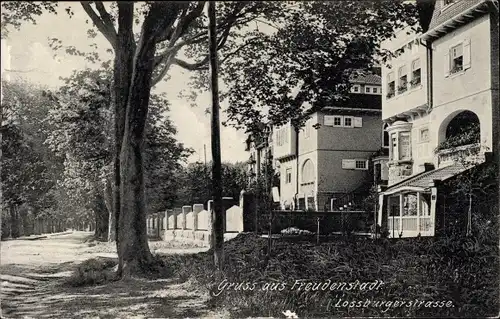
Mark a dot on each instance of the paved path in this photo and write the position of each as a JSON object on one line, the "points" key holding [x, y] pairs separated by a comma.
{"points": [[32, 273]]}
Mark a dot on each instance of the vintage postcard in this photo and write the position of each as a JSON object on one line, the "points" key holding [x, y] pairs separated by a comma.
{"points": [[250, 159]]}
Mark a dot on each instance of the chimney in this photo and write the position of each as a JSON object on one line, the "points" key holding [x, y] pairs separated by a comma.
{"points": [[428, 167]]}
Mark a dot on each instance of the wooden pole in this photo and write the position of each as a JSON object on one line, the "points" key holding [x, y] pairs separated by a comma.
{"points": [[217, 212]]}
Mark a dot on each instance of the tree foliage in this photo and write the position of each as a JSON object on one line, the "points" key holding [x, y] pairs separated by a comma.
{"points": [[29, 169], [309, 58], [196, 181]]}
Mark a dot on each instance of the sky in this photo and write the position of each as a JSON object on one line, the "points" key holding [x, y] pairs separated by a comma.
{"points": [[33, 60]]}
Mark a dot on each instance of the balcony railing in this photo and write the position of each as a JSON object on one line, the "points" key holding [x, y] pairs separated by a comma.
{"points": [[410, 224], [464, 153]]}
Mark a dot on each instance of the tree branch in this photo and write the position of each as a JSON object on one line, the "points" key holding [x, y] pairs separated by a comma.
{"points": [[105, 16], [191, 66], [184, 23], [168, 62], [230, 54], [99, 23]]}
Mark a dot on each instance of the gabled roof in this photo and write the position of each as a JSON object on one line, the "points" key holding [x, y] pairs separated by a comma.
{"points": [[439, 15], [370, 79], [446, 18], [424, 179]]}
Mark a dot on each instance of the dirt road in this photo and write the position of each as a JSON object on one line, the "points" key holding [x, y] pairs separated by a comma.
{"points": [[32, 273]]}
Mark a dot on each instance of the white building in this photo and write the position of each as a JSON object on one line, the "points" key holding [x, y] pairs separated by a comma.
{"points": [[438, 105]]}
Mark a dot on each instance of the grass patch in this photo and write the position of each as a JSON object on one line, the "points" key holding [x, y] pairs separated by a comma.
{"points": [[91, 272], [461, 272]]}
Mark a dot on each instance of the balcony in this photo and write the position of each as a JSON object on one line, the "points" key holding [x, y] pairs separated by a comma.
{"points": [[470, 153], [462, 143]]}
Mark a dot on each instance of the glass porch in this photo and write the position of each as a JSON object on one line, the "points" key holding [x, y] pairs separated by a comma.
{"points": [[410, 215]]}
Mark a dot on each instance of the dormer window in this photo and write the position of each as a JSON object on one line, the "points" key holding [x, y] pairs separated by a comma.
{"points": [[448, 2]]}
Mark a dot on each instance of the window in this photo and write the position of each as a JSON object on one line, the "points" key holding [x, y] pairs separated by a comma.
{"points": [[282, 136], [405, 146], [424, 135], [375, 90], [308, 172], [391, 85], [410, 205], [457, 59], [288, 176], [367, 89], [385, 136], [355, 164], [361, 164], [415, 73], [355, 88], [348, 121], [448, 2], [337, 121], [394, 147], [403, 79]]}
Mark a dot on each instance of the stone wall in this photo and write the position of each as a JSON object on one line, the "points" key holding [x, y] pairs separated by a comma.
{"points": [[193, 224]]}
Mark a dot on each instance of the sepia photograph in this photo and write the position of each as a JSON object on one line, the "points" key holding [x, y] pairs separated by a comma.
{"points": [[250, 159]]}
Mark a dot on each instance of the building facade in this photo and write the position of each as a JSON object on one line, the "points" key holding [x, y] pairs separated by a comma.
{"points": [[328, 159], [439, 108], [260, 148]]}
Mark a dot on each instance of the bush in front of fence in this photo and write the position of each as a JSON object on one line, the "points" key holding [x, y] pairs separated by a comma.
{"points": [[329, 221], [460, 271]]}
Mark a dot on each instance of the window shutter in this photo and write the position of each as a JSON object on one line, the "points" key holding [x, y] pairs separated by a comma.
{"points": [[348, 164], [328, 120], [466, 54], [358, 122], [447, 64]]}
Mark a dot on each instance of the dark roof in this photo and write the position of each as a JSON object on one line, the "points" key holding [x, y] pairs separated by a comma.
{"points": [[424, 179], [452, 10], [370, 79], [363, 101]]}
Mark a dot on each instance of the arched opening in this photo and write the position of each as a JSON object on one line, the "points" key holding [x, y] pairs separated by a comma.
{"points": [[385, 136], [462, 129], [308, 172]]}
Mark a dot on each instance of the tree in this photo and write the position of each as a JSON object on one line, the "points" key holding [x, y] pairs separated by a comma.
{"points": [[140, 61], [82, 135], [29, 169], [310, 58], [195, 182]]}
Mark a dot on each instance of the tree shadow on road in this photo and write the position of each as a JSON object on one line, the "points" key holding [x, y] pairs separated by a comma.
{"points": [[42, 292]]}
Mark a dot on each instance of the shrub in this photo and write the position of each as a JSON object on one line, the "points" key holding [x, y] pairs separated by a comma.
{"points": [[461, 270], [94, 271]]}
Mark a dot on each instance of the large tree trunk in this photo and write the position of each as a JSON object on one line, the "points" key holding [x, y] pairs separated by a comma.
{"points": [[108, 201], [133, 80], [133, 250], [218, 213], [101, 217], [14, 222], [122, 74]]}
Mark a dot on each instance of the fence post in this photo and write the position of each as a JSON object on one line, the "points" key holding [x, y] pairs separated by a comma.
{"points": [[317, 231], [185, 211], [165, 221], [196, 209]]}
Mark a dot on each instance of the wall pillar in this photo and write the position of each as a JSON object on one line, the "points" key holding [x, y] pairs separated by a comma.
{"points": [[196, 209], [185, 211]]}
